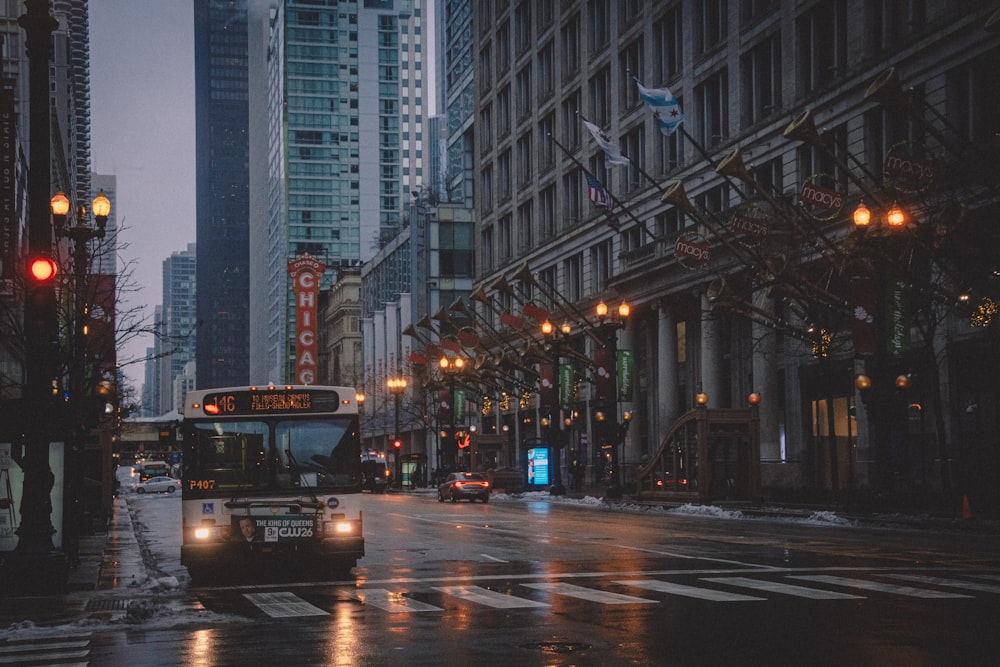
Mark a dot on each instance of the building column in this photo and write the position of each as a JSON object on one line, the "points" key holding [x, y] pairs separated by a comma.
{"points": [[710, 374], [667, 393], [765, 381]]}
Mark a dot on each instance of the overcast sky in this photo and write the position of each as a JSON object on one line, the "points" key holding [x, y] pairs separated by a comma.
{"points": [[142, 131]]}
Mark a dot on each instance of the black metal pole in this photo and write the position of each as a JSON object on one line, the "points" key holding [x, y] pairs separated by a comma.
{"points": [[35, 548]]}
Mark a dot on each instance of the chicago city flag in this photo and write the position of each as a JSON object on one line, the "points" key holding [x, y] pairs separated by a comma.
{"points": [[664, 106]]}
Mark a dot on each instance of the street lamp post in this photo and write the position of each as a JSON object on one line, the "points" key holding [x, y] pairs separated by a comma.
{"points": [[451, 368], [36, 562], [607, 388], [396, 387], [80, 234]]}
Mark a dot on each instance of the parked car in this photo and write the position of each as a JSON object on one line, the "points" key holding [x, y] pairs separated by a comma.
{"points": [[158, 484], [468, 485]]}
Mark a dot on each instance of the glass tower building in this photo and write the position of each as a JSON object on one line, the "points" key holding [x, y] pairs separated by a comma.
{"points": [[222, 154]]}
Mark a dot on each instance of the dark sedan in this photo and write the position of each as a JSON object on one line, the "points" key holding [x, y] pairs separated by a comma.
{"points": [[468, 485]]}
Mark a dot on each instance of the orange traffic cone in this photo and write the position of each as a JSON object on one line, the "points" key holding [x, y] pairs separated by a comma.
{"points": [[966, 510]]}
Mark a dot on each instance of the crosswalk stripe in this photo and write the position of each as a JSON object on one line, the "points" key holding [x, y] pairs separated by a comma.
{"points": [[688, 591], [787, 589], [394, 603], [283, 605], [590, 594], [46, 650], [489, 598], [950, 583], [877, 586]]}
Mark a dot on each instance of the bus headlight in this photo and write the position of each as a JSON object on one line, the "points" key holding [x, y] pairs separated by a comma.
{"points": [[339, 528]]}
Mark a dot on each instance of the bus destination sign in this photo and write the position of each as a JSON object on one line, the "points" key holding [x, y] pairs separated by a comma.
{"points": [[270, 401]]}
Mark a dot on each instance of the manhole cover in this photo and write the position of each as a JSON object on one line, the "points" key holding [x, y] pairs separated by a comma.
{"points": [[106, 605]]}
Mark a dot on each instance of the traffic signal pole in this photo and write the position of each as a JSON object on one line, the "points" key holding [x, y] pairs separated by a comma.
{"points": [[39, 563]]}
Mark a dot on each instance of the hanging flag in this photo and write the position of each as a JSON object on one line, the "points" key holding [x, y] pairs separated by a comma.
{"points": [[664, 106], [613, 152], [596, 192]]}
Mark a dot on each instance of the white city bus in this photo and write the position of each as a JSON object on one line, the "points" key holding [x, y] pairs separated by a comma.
{"points": [[271, 480]]}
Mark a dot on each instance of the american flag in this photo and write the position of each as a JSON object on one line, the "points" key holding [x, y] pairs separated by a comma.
{"points": [[596, 192]]}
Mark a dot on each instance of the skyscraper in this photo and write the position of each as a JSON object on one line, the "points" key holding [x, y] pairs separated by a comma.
{"points": [[178, 321], [222, 154], [337, 110]]}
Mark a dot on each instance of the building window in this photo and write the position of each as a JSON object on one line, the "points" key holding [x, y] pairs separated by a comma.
{"points": [[600, 261], [486, 248], [713, 104], [634, 147], [486, 66], [486, 128], [751, 10], [973, 99], [573, 268], [668, 149], [598, 25], [503, 48], [570, 43], [668, 42], [711, 24], [547, 147], [546, 13], [503, 176], [522, 26], [630, 64], [822, 46], [762, 80], [524, 157], [546, 68], [572, 195], [486, 188], [503, 113], [547, 213], [629, 13], [525, 228], [570, 121], [600, 99], [506, 239], [523, 83]]}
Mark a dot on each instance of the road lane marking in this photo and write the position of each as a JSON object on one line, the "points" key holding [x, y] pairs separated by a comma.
{"points": [[283, 605], [674, 554], [787, 589], [877, 586], [394, 603], [950, 583], [494, 558], [593, 595], [487, 597], [688, 591]]}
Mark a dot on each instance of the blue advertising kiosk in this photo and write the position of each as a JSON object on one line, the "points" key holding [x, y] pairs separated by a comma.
{"points": [[539, 472]]}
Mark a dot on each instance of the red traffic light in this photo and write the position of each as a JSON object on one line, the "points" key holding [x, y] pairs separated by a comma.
{"points": [[42, 269], [397, 443]]}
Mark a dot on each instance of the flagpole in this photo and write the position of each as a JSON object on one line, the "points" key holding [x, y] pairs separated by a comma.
{"points": [[614, 200]]}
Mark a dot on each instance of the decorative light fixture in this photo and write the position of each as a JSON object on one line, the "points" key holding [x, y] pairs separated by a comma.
{"points": [[863, 382], [862, 216], [701, 398], [753, 398], [895, 217]]}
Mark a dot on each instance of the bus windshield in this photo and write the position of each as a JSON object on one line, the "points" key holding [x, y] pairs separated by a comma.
{"points": [[291, 454]]}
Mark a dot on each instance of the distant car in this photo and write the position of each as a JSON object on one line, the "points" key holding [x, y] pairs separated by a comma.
{"points": [[158, 484], [468, 485]]}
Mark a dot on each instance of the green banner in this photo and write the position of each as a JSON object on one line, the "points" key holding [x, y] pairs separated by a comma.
{"points": [[626, 371], [566, 391], [897, 320], [459, 398]]}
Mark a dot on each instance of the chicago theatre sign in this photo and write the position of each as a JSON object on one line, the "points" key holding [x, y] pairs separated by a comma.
{"points": [[306, 272]]}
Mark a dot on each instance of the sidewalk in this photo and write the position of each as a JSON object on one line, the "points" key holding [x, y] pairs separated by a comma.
{"points": [[100, 586]]}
